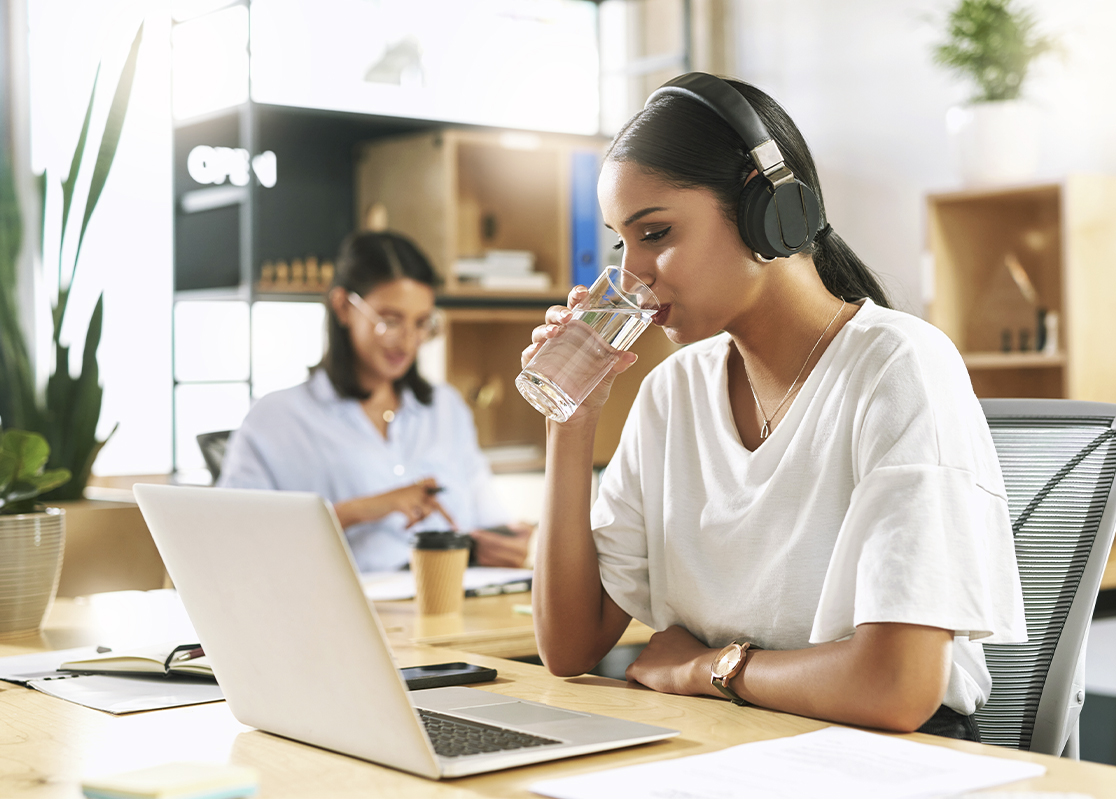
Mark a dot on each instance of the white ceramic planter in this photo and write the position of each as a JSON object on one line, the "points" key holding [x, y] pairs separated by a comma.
{"points": [[995, 143], [30, 562]]}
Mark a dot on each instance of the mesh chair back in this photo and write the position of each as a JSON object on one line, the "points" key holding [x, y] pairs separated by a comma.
{"points": [[1058, 459]]}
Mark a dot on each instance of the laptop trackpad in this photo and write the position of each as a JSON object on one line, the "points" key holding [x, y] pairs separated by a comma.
{"points": [[519, 713]]}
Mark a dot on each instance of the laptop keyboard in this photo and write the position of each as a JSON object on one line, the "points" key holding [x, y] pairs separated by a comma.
{"points": [[453, 736]]}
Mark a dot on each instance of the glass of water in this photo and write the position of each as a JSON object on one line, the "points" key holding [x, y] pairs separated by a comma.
{"points": [[567, 367]]}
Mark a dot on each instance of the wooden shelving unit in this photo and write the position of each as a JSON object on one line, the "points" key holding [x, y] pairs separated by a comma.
{"points": [[1063, 235], [459, 193]]}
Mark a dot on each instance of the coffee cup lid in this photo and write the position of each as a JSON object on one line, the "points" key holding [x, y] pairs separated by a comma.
{"points": [[441, 540]]}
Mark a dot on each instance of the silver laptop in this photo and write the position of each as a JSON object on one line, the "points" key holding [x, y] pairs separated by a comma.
{"points": [[271, 588]]}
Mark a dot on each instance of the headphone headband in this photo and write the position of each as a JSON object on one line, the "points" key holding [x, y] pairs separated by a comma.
{"points": [[719, 97], [731, 106], [771, 230]]}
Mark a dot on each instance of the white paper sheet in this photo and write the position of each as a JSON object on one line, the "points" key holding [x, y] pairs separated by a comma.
{"points": [[123, 695], [400, 585], [832, 763]]}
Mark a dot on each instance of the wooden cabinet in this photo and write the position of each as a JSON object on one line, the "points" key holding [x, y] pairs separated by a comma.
{"points": [[461, 193], [990, 248]]}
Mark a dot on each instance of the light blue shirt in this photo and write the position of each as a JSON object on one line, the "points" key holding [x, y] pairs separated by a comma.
{"points": [[307, 438]]}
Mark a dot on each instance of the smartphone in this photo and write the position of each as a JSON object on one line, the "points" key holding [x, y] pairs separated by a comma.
{"points": [[452, 674], [503, 530]]}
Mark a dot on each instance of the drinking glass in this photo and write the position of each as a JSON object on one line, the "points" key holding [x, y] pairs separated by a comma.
{"points": [[567, 367]]}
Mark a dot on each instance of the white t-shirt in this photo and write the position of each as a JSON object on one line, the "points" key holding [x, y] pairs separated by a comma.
{"points": [[877, 498]]}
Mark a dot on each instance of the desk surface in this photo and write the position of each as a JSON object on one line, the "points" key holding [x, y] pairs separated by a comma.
{"points": [[492, 626], [47, 745]]}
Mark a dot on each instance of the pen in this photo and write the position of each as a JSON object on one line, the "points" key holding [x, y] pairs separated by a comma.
{"points": [[435, 489]]}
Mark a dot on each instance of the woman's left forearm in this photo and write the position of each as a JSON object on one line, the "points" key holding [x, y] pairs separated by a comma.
{"points": [[888, 675]]}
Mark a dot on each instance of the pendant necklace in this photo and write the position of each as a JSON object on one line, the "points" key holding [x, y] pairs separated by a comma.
{"points": [[765, 431]]}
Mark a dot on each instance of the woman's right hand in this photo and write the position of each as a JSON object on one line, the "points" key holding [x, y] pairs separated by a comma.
{"points": [[416, 502], [556, 319]]}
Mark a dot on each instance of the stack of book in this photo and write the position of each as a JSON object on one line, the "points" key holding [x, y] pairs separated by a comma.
{"points": [[502, 269]]}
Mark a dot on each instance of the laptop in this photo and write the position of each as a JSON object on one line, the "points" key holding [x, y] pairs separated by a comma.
{"points": [[271, 588]]}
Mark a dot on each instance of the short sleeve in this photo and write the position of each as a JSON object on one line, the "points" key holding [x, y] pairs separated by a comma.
{"points": [[619, 530], [923, 545], [927, 537]]}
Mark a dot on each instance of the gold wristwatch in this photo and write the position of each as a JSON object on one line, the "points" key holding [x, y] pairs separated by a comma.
{"points": [[727, 665]]}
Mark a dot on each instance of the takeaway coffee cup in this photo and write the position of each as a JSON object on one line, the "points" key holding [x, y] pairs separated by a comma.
{"points": [[438, 560]]}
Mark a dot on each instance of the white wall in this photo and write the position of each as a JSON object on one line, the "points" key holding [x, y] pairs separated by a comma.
{"points": [[858, 78]]}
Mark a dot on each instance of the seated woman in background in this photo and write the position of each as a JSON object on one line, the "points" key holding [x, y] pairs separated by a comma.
{"points": [[367, 432]]}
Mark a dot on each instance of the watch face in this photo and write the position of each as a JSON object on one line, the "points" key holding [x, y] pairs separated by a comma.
{"points": [[727, 660]]}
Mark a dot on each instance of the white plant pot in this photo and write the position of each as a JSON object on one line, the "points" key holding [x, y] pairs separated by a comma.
{"points": [[995, 143], [30, 562]]}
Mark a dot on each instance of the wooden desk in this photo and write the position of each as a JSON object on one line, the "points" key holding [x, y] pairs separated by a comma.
{"points": [[47, 746], [490, 626]]}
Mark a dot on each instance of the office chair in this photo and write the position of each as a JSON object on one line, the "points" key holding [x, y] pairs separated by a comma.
{"points": [[1058, 459], [213, 450]]}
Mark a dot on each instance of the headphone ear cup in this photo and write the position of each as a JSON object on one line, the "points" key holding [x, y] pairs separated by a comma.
{"points": [[777, 222], [746, 212]]}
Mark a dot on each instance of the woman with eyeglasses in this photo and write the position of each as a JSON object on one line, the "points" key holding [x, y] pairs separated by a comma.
{"points": [[367, 432]]}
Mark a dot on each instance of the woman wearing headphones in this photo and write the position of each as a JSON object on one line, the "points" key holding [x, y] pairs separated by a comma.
{"points": [[805, 503], [367, 432]]}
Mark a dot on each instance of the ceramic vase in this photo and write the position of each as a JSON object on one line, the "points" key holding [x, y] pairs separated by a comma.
{"points": [[30, 562], [996, 142]]}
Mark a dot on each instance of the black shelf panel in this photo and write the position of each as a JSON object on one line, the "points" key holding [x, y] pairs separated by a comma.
{"points": [[207, 249]]}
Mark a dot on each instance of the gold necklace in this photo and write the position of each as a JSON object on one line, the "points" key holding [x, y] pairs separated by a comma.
{"points": [[765, 431], [387, 415]]}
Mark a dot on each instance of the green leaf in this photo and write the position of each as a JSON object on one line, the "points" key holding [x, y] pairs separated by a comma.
{"points": [[71, 177], [111, 137], [17, 384], [86, 409], [11, 226], [52, 478], [19, 491], [8, 466], [30, 451]]}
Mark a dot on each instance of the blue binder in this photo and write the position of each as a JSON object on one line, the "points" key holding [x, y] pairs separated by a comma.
{"points": [[584, 218]]}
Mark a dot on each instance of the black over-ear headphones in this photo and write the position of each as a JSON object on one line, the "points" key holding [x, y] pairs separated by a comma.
{"points": [[778, 215]]}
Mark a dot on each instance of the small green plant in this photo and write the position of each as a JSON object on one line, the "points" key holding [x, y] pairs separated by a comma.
{"points": [[992, 43], [23, 473]]}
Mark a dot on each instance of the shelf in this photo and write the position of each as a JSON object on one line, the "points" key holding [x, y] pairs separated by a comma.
{"points": [[500, 300], [222, 293], [997, 193], [1013, 360]]}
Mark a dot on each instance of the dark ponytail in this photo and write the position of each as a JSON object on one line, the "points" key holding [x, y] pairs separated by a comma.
{"points": [[690, 146], [368, 259]]}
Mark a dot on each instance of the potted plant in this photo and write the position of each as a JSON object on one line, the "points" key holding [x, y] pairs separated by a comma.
{"points": [[67, 412], [992, 44], [31, 535]]}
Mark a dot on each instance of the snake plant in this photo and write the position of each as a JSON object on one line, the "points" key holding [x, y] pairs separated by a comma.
{"points": [[67, 413]]}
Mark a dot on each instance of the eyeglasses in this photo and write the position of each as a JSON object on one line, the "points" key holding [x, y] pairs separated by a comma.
{"points": [[393, 328]]}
